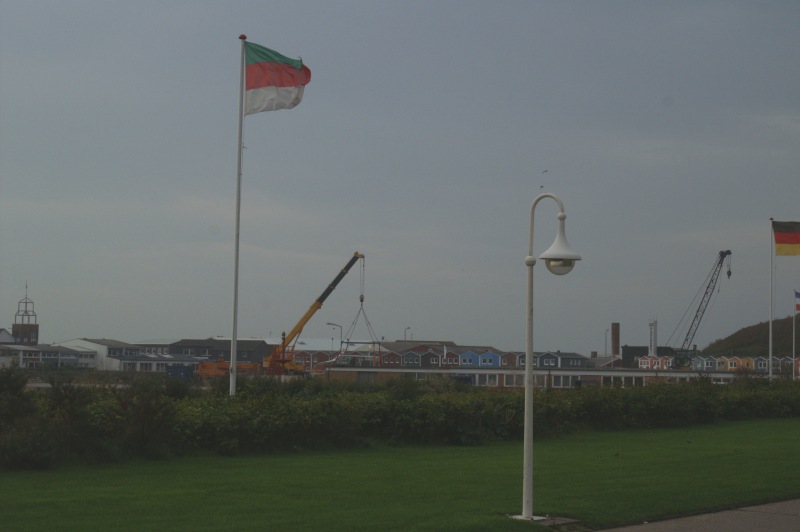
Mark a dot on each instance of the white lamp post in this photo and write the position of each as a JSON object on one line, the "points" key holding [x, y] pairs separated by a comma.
{"points": [[341, 340], [560, 260]]}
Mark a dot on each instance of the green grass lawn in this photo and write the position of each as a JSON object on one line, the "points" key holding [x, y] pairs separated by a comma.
{"points": [[600, 478]]}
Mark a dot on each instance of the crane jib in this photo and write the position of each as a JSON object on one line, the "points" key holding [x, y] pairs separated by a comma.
{"points": [[321, 299], [684, 353], [277, 362]]}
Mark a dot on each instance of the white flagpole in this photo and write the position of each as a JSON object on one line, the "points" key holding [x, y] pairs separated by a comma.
{"points": [[771, 268], [238, 207], [794, 334]]}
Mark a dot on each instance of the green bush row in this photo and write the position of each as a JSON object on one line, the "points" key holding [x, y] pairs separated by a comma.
{"points": [[155, 417], [285, 422], [664, 405]]}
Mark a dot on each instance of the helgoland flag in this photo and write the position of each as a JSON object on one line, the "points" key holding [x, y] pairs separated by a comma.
{"points": [[272, 81], [787, 237]]}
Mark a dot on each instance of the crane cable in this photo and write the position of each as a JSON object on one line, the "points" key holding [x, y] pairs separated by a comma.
{"points": [[361, 312], [682, 327], [719, 285], [683, 323]]}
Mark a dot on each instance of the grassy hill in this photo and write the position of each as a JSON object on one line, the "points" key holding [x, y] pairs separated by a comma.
{"points": [[754, 340]]}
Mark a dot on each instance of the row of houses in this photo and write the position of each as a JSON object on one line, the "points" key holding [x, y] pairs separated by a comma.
{"points": [[541, 360], [114, 355], [442, 355], [732, 363], [157, 356]]}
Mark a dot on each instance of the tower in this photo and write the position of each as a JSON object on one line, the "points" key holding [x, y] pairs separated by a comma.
{"points": [[653, 349], [615, 339], [25, 329]]}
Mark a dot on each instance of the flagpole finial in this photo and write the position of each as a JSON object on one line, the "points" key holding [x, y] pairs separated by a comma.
{"points": [[243, 36]]}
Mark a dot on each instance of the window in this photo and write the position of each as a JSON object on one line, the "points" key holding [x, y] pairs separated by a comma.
{"points": [[732, 364]]}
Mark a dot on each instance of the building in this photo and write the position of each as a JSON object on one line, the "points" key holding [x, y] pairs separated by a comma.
{"points": [[107, 353], [25, 328]]}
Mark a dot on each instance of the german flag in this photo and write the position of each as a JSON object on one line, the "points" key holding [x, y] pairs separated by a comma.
{"points": [[787, 237]]}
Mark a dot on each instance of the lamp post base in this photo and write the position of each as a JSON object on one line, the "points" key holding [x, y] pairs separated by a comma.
{"points": [[532, 518], [545, 520]]}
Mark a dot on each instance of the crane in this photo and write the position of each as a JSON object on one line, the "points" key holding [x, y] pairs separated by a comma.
{"points": [[279, 362], [683, 356]]}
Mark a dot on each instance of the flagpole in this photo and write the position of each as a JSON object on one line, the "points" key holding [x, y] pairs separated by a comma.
{"points": [[238, 208], [771, 289], [794, 334]]}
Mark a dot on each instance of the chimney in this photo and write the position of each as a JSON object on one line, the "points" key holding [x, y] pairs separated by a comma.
{"points": [[615, 339]]}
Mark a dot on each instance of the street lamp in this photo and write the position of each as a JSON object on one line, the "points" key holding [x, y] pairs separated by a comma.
{"points": [[340, 333], [560, 260]]}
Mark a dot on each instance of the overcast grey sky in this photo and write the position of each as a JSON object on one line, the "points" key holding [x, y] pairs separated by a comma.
{"points": [[670, 130]]}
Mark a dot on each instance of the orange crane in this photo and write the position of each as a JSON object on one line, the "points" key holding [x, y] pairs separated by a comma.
{"points": [[280, 361], [221, 368]]}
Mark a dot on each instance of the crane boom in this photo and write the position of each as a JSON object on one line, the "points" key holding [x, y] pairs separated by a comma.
{"points": [[683, 357], [277, 362]]}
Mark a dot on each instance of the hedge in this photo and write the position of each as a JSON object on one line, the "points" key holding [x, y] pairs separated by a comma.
{"points": [[157, 417]]}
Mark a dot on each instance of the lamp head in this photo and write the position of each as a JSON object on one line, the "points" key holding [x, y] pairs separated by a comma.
{"points": [[559, 258]]}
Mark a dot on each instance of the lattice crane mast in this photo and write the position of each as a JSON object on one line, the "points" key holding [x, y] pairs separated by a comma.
{"points": [[683, 357]]}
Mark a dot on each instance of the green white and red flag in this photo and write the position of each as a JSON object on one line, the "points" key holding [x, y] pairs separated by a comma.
{"points": [[272, 80]]}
